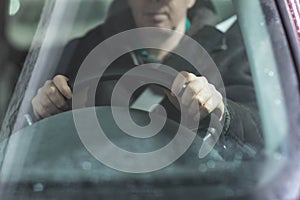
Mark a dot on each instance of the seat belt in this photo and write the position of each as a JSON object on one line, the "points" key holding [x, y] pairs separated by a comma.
{"points": [[149, 99]]}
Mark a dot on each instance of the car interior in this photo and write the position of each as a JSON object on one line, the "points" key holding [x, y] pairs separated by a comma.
{"points": [[214, 12], [31, 47]]}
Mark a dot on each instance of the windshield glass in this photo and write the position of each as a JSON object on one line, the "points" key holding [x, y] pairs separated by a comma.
{"points": [[154, 98]]}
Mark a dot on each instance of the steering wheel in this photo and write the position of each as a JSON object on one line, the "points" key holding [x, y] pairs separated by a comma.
{"points": [[158, 74], [51, 152]]}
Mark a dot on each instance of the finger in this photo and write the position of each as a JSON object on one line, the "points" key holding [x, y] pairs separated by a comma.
{"points": [[197, 110], [220, 110], [192, 89], [46, 103], [39, 110], [180, 80], [61, 83], [56, 97], [213, 104], [209, 107], [204, 95], [35, 108]]}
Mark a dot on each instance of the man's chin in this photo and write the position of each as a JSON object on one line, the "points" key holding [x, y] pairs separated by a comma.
{"points": [[160, 25]]}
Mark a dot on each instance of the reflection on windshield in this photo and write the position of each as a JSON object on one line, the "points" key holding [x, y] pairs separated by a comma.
{"points": [[171, 105]]}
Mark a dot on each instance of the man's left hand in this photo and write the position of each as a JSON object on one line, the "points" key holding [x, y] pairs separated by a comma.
{"points": [[197, 95]]}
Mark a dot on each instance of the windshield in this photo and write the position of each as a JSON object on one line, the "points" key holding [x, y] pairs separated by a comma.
{"points": [[152, 98]]}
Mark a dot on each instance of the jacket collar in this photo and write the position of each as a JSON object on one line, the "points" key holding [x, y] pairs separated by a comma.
{"points": [[211, 39]]}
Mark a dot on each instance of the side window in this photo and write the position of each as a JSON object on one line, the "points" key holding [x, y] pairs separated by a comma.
{"points": [[24, 16], [266, 77], [22, 21]]}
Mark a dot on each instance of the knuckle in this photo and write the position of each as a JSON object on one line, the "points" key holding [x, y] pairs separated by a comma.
{"points": [[183, 73], [40, 96], [200, 99], [33, 102], [206, 91], [40, 91], [194, 86], [48, 82], [208, 104], [209, 89], [191, 76], [219, 96], [203, 80], [51, 91], [212, 87]]}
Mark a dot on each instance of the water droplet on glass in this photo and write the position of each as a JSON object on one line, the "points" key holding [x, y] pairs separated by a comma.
{"points": [[86, 165], [277, 101], [271, 73], [38, 187], [202, 168], [278, 156], [238, 156], [211, 164]]}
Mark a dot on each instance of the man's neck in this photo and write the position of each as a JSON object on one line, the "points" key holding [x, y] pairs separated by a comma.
{"points": [[171, 43]]}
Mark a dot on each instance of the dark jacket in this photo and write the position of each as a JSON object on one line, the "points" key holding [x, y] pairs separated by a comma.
{"points": [[242, 124]]}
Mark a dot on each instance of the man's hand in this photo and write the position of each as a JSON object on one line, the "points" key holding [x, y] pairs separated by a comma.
{"points": [[197, 95], [52, 97]]}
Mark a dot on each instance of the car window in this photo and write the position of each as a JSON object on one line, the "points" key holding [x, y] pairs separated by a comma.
{"points": [[217, 158], [24, 16]]}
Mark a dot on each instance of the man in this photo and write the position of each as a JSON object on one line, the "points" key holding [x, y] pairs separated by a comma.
{"points": [[240, 113]]}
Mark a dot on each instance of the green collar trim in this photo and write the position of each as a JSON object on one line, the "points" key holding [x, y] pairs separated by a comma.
{"points": [[187, 25]]}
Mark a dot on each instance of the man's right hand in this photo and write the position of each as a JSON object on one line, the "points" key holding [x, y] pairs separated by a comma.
{"points": [[52, 97]]}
